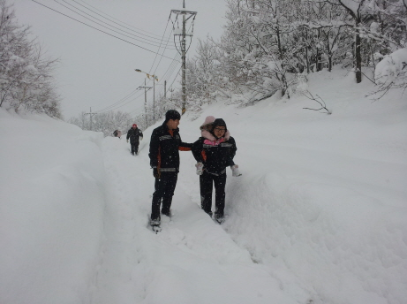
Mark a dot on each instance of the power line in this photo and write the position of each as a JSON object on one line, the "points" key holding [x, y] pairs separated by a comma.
{"points": [[169, 70], [114, 21], [168, 88], [159, 49], [175, 78], [103, 24], [120, 20], [118, 102], [54, 10], [122, 102]]}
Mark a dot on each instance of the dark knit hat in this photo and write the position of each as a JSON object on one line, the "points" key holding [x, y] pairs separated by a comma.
{"points": [[172, 114], [219, 122]]}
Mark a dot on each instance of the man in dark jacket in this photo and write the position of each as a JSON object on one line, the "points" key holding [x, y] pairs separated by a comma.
{"points": [[164, 160], [214, 151], [134, 134]]}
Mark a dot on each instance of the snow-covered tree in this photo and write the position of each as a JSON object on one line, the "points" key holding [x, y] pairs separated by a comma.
{"points": [[379, 28], [267, 44], [392, 72], [327, 34], [25, 75], [261, 45], [205, 78]]}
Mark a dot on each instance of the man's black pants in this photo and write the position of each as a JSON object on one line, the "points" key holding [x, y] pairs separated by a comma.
{"points": [[134, 148], [164, 190], [206, 182]]}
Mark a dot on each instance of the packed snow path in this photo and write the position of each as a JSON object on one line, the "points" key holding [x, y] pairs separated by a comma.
{"points": [[192, 260]]}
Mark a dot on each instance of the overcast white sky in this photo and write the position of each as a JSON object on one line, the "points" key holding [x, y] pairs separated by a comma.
{"points": [[97, 70]]}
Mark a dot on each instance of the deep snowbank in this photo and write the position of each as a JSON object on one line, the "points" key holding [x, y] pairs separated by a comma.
{"points": [[318, 215], [51, 211], [325, 196]]}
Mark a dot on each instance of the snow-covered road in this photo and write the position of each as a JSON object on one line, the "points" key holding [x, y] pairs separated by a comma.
{"points": [[193, 260], [318, 215]]}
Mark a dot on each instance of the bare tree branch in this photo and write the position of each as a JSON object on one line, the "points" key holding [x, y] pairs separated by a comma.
{"points": [[319, 100]]}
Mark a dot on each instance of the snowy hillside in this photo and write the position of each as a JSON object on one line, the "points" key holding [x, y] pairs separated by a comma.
{"points": [[318, 216]]}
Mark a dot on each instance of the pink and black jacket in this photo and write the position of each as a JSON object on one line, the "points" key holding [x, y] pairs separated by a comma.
{"points": [[215, 154]]}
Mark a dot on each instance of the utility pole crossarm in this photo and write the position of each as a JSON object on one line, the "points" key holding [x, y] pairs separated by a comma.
{"points": [[145, 87], [90, 117], [186, 15], [185, 12]]}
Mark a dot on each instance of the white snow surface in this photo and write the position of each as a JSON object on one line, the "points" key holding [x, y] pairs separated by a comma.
{"points": [[318, 216]]}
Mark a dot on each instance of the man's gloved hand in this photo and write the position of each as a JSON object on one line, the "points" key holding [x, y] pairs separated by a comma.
{"points": [[156, 172], [127, 140], [141, 138], [199, 168], [235, 170]]}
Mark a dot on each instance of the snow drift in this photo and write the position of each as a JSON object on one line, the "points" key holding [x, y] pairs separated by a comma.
{"points": [[318, 215]]}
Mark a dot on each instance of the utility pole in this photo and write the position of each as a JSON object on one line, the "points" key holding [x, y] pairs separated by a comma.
{"points": [[156, 79], [184, 67], [146, 88], [90, 117], [154, 105], [186, 15]]}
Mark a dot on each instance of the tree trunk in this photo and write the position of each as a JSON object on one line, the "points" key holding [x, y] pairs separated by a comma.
{"points": [[318, 55], [318, 59], [357, 52], [280, 51], [329, 53], [330, 62], [358, 55]]}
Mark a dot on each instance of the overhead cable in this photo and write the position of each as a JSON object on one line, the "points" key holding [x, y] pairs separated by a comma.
{"points": [[117, 105], [155, 57], [106, 25], [131, 26], [114, 21], [98, 29]]}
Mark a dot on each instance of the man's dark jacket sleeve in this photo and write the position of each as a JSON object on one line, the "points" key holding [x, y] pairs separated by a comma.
{"points": [[154, 149], [197, 150]]}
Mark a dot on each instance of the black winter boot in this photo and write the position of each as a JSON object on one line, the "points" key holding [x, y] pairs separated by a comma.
{"points": [[166, 208], [219, 217], [155, 208]]}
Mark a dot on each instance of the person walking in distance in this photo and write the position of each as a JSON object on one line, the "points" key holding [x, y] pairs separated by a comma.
{"points": [[214, 151], [135, 135], [117, 133], [165, 145]]}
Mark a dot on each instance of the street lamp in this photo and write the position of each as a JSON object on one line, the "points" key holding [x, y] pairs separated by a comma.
{"points": [[154, 78]]}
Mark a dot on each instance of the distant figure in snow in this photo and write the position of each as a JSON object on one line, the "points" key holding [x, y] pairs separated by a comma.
{"points": [[214, 151], [165, 145], [135, 136], [117, 133]]}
